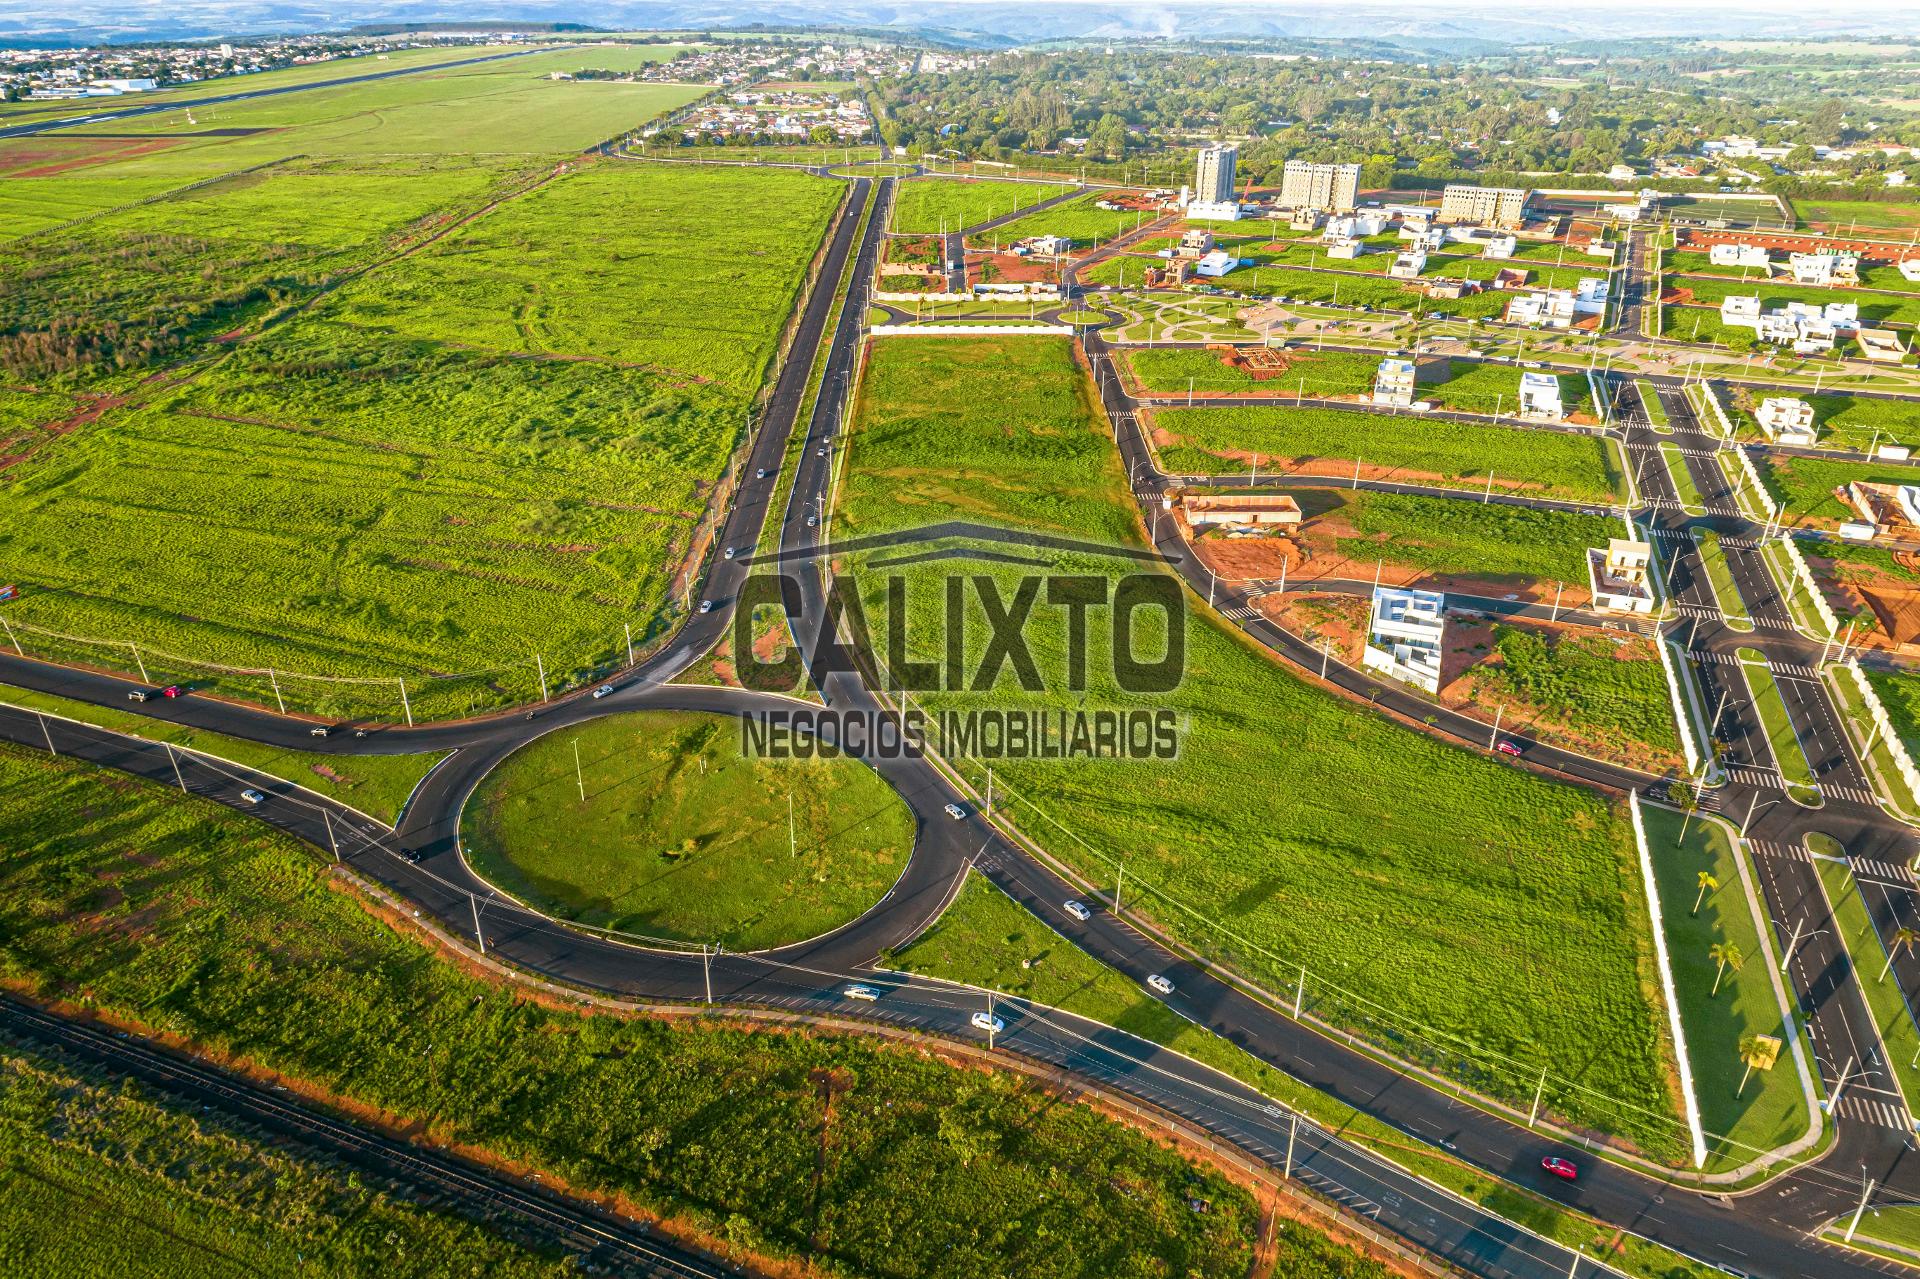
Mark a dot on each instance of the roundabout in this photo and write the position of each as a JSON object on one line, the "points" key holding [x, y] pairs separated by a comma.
{"points": [[653, 824]]}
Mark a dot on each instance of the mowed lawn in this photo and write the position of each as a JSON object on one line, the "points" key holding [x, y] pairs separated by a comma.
{"points": [[1078, 220], [1548, 463], [1809, 486], [682, 837], [1492, 920], [198, 922], [470, 460], [925, 206]]}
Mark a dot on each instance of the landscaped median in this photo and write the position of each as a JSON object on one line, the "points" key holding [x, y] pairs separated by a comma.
{"points": [[1656, 411], [1782, 741], [1878, 984], [1891, 1231], [1707, 921], [1794, 591], [1719, 579], [1883, 752], [377, 785], [1689, 492]]}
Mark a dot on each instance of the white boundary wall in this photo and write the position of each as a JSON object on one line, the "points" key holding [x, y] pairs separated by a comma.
{"points": [[1687, 1097], [1754, 486], [1703, 392], [971, 330], [1896, 748], [1805, 574], [1689, 749]]}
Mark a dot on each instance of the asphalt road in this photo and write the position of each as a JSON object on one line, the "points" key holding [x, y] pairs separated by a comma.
{"points": [[111, 114], [421, 861]]}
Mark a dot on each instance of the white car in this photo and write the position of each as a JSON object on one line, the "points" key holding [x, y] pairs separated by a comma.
{"points": [[1078, 910], [706, 606], [602, 691], [865, 994], [955, 811], [987, 1022], [732, 551], [1160, 984], [252, 796]]}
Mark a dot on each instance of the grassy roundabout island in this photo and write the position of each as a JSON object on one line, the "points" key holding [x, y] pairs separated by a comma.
{"points": [[682, 837]]}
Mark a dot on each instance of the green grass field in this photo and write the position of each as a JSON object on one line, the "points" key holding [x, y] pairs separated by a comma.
{"points": [[1578, 468], [1420, 917], [1771, 1110], [1656, 411], [1078, 220], [923, 207], [1495, 389], [1900, 693], [1845, 421], [1782, 741], [1868, 215], [375, 784], [464, 458], [105, 1178], [1875, 308], [683, 837], [866, 1160], [1447, 536], [1584, 683], [1808, 486]]}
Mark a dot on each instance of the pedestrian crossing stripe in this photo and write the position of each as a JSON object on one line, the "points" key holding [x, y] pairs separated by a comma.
{"points": [[1884, 1114], [1886, 870], [1787, 852], [1240, 612], [1858, 794], [1754, 777]]}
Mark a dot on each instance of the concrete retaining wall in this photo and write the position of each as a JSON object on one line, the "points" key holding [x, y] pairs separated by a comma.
{"points": [[1805, 574], [1884, 725], [1691, 1103]]}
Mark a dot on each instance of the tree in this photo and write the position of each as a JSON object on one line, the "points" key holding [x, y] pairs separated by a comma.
{"points": [[1903, 939], [1757, 1052], [1707, 882], [1687, 799], [1725, 955]]}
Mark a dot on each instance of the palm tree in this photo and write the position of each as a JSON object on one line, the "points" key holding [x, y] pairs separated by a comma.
{"points": [[1687, 800], [1726, 955], [1707, 883], [1903, 939], [1757, 1052]]}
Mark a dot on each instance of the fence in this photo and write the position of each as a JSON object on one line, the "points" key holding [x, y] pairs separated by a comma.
{"points": [[1883, 726], [1798, 562], [1688, 1100], [1752, 476], [1689, 749], [1704, 395]]}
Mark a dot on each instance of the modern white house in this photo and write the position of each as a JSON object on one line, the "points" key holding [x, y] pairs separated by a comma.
{"points": [[1544, 308], [1393, 383], [1910, 270], [1405, 633], [1805, 326], [1742, 255], [1617, 576], [1825, 268], [1216, 263], [1347, 248], [1590, 295], [1408, 265], [1786, 419], [1540, 396], [1360, 224], [1498, 248]]}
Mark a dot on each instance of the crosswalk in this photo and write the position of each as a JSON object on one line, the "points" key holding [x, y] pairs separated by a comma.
{"points": [[1872, 1110], [1849, 792], [1728, 659], [1668, 504], [1239, 612], [1889, 871], [1764, 778], [1784, 852]]}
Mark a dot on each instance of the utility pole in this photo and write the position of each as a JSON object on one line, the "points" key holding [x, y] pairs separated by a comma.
{"points": [[1488, 495], [1494, 736], [1326, 651], [405, 705], [706, 969], [135, 650], [1293, 1131], [1866, 1190], [276, 690], [174, 760], [579, 778], [1534, 1114], [46, 732], [1118, 883], [542, 668], [989, 791], [478, 936], [793, 843], [327, 818], [629, 629], [1839, 1086], [1792, 944], [1300, 992]]}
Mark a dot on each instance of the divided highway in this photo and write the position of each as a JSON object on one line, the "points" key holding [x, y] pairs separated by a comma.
{"points": [[1762, 1234]]}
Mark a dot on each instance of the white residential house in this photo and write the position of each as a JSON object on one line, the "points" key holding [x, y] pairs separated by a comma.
{"points": [[1360, 224], [1404, 635], [1825, 268], [1048, 245], [1910, 270], [1786, 419], [1306, 219], [1620, 173], [1347, 248], [1601, 249], [1393, 383], [1213, 211], [1742, 255], [1590, 295], [1617, 576], [1742, 312], [1544, 308], [1540, 396], [1408, 265], [1216, 264], [1499, 248]]}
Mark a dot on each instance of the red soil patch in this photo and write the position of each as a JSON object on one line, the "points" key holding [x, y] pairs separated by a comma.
{"points": [[1007, 268], [74, 153], [80, 417]]}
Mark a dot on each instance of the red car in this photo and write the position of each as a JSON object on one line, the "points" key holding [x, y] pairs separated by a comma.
{"points": [[1507, 748], [171, 690], [1562, 1168]]}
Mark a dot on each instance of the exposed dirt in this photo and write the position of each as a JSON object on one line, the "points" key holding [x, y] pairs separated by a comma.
{"points": [[82, 416]]}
